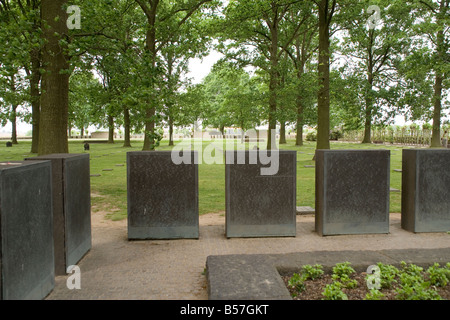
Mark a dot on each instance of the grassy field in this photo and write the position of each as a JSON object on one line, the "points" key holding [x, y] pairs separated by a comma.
{"points": [[109, 190]]}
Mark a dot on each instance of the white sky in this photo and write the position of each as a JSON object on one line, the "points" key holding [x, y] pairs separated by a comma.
{"points": [[200, 68]]}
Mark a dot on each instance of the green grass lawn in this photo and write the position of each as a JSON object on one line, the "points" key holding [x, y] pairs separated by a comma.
{"points": [[109, 191]]}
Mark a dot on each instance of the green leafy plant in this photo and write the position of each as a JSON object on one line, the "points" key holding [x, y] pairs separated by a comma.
{"points": [[342, 272], [334, 291], [413, 285], [438, 276], [411, 282], [297, 282], [374, 294], [312, 272], [388, 274], [346, 281], [411, 269], [343, 269], [417, 291]]}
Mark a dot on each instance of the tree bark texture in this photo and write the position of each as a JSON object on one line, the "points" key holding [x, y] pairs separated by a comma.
{"points": [[323, 99], [55, 80]]}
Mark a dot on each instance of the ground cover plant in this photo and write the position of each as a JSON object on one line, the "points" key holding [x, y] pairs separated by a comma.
{"points": [[109, 188], [388, 282]]}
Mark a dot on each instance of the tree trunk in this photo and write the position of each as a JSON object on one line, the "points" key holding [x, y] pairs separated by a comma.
{"points": [[441, 50], [436, 134], [170, 131], [14, 125], [368, 126], [13, 115], [272, 108], [368, 96], [323, 99], [55, 80], [273, 84], [149, 139], [283, 133], [110, 129], [368, 121], [35, 94], [299, 138], [127, 127]]}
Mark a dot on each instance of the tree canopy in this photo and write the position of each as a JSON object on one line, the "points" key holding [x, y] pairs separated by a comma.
{"points": [[325, 64]]}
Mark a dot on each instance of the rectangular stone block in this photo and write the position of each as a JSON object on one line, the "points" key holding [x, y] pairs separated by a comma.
{"points": [[71, 208], [27, 265], [162, 196], [426, 190], [260, 193], [352, 191]]}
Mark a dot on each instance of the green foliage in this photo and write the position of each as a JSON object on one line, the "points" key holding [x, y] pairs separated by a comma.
{"points": [[85, 98], [334, 291], [311, 136], [368, 92], [413, 282], [336, 135], [232, 98], [411, 269], [413, 286], [297, 282], [388, 274], [342, 272], [438, 276], [343, 269], [374, 294], [415, 289], [346, 281], [310, 272]]}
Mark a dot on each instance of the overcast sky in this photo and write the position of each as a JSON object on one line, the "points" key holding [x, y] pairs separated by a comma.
{"points": [[200, 68]]}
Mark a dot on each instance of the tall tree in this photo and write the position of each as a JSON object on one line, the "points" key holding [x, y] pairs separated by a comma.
{"points": [[21, 35], [258, 30], [13, 117], [84, 97], [433, 23], [326, 9], [233, 98], [164, 20], [375, 48], [55, 79], [191, 41], [301, 52], [14, 93], [118, 59]]}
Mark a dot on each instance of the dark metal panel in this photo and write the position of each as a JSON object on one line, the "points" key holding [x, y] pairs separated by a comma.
{"points": [[27, 263], [259, 203], [71, 207], [426, 197], [319, 187], [355, 191], [409, 182], [77, 207], [162, 196]]}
